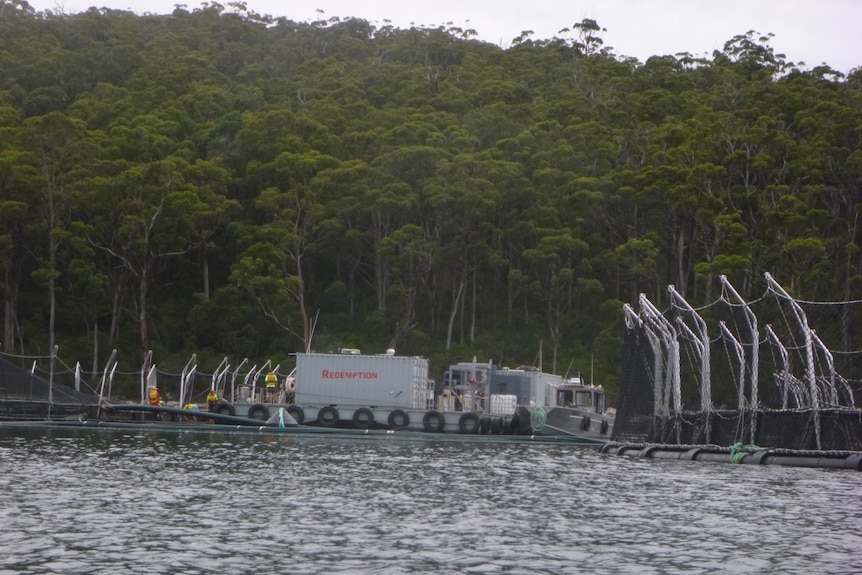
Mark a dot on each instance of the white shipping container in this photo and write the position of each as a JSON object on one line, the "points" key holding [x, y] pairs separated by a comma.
{"points": [[352, 380]]}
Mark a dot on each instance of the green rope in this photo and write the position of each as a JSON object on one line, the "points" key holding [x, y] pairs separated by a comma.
{"points": [[538, 418], [738, 451]]}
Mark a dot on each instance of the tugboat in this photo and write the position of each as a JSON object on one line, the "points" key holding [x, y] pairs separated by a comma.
{"points": [[579, 410], [536, 403]]}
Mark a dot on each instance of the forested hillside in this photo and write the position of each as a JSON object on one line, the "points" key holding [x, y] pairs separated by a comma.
{"points": [[225, 183]]}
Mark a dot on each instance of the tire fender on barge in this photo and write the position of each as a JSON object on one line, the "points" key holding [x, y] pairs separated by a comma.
{"points": [[398, 419], [363, 418], [258, 411], [469, 423], [497, 425], [433, 421], [328, 416], [224, 408]]}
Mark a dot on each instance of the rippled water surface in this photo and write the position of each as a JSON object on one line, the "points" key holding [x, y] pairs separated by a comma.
{"points": [[108, 502]]}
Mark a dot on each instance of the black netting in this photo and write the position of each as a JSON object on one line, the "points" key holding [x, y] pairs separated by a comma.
{"points": [[33, 394], [776, 372], [634, 419]]}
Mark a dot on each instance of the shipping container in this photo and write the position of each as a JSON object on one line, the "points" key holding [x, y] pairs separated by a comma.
{"points": [[355, 380]]}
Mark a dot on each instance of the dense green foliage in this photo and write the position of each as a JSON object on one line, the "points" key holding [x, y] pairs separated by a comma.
{"points": [[220, 182]]}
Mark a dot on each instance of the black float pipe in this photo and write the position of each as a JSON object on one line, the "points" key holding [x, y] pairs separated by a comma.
{"points": [[787, 457]]}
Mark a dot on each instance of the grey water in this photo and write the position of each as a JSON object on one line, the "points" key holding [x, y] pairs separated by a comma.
{"points": [[84, 501]]}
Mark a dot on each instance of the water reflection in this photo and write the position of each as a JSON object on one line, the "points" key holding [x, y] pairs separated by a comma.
{"points": [[91, 501]]}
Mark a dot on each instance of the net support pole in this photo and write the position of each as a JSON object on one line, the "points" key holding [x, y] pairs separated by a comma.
{"points": [[785, 364], [740, 357], [660, 399], [51, 380], [810, 378], [145, 368], [218, 376], [653, 317], [754, 364], [233, 397], [705, 377], [830, 363], [104, 382]]}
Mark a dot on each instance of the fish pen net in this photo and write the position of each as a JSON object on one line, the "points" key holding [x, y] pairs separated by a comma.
{"points": [[776, 372], [40, 392], [44, 387]]}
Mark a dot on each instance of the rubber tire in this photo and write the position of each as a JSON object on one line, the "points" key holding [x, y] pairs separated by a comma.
{"points": [[605, 427], [398, 419], [497, 425], [585, 423], [514, 425], [258, 408], [327, 416], [433, 421], [363, 418], [296, 413], [224, 408], [469, 423]]}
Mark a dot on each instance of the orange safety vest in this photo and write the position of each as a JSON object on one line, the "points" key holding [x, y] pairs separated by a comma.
{"points": [[270, 380], [155, 397], [212, 397]]}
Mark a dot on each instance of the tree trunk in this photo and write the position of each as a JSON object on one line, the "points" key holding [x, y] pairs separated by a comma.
{"points": [[455, 304], [205, 269], [473, 312], [10, 307], [300, 298], [114, 331], [143, 289], [52, 262]]}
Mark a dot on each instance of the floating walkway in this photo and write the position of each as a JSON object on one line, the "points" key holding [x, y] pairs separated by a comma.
{"points": [[293, 431], [748, 454]]}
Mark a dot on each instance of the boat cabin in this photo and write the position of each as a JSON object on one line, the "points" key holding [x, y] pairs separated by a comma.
{"points": [[573, 393]]}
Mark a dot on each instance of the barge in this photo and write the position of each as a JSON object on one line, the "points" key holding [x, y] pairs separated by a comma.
{"points": [[352, 390]]}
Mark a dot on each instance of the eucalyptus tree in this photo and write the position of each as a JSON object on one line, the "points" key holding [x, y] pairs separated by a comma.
{"points": [[401, 179], [410, 168], [552, 268], [208, 212], [53, 148], [825, 170], [409, 254], [271, 267], [8, 8], [362, 203], [146, 223], [462, 198], [19, 185]]}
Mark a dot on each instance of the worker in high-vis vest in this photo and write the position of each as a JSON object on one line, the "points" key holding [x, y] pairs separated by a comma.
{"points": [[271, 383], [155, 397], [212, 399]]}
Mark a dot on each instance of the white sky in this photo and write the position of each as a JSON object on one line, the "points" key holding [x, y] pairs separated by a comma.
{"points": [[810, 31]]}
